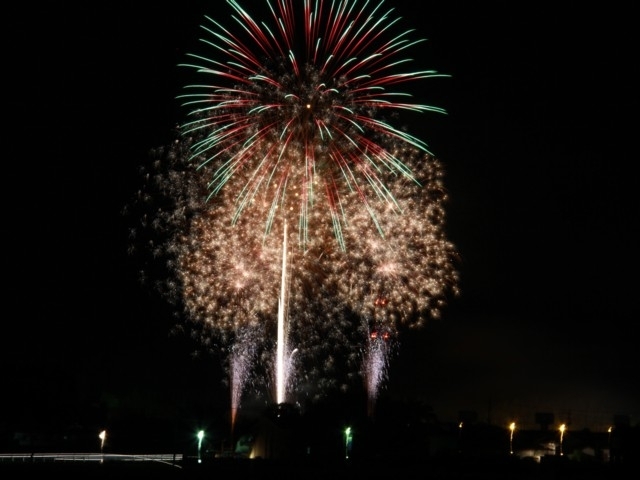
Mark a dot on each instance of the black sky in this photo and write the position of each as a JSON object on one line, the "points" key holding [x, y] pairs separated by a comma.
{"points": [[540, 156]]}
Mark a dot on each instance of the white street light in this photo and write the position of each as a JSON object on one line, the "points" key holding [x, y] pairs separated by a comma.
{"points": [[102, 436], [200, 437]]}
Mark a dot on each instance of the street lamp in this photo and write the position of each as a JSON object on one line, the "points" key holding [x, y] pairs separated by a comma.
{"points": [[348, 439], [512, 427], [562, 429], [200, 437], [102, 436]]}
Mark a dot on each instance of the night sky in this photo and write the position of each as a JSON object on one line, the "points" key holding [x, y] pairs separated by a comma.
{"points": [[540, 158]]}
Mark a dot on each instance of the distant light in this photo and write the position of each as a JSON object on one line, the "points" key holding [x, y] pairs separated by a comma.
{"points": [[562, 429], [512, 427], [102, 436], [348, 439], [200, 437]]}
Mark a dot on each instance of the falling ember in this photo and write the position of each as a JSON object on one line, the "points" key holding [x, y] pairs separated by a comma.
{"points": [[375, 364], [241, 361]]}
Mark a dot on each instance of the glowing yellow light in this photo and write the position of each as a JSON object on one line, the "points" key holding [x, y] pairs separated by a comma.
{"points": [[512, 427]]}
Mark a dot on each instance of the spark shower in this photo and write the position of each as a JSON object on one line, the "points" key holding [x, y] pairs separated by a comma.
{"points": [[301, 226]]}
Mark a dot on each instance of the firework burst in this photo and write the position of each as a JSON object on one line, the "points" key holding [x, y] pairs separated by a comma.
{"points": [[403, 278], [299, 105], [290, 128], [224, 277]]}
